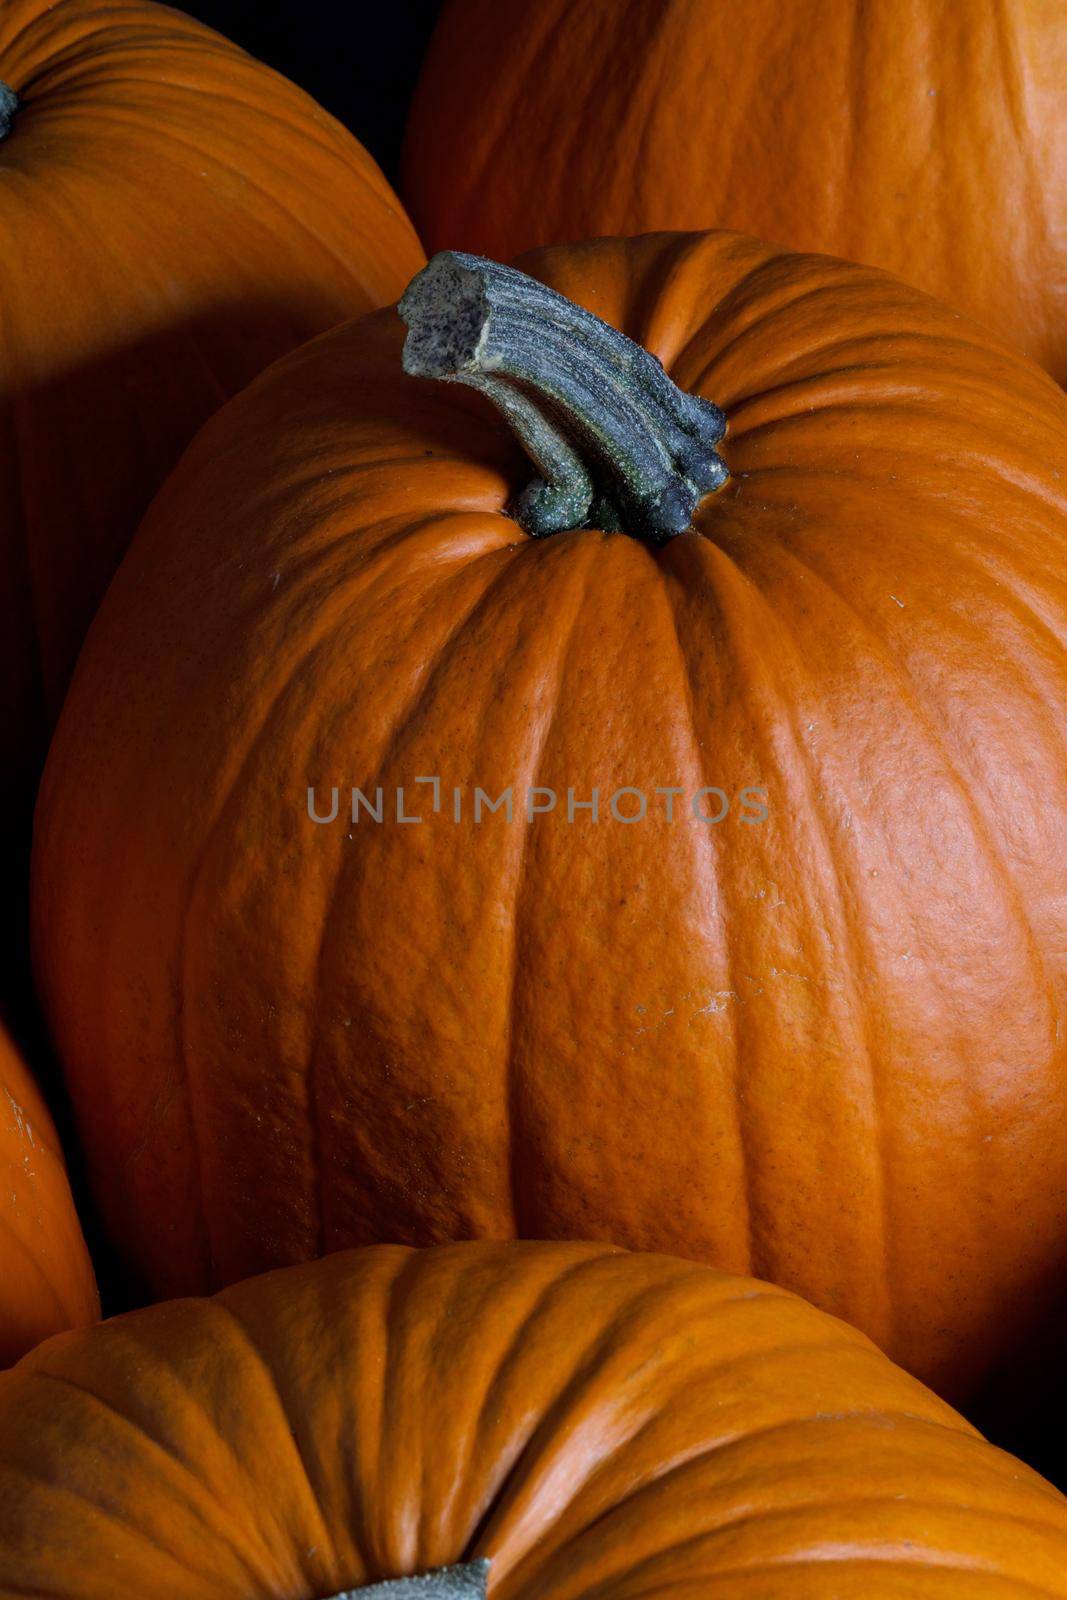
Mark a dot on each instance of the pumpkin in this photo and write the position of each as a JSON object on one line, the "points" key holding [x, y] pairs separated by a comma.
{"points": [[816, 1036], [926, 137], [46, 1280], [174, 216], [531, 1420]]}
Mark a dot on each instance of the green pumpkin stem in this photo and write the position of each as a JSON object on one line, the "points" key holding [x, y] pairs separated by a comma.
{"points": [[9, 104], [616, 444], [466, 1582]]}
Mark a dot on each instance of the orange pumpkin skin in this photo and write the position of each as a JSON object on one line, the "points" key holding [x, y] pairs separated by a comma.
{"points": [[826, 1049], [591, 1422], [927, 137], [175, 216], [46, 1278]]}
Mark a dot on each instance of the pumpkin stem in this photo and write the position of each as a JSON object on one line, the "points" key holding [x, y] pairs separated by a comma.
{"points": [[617, 445], [466, 1582], [9, 104]]}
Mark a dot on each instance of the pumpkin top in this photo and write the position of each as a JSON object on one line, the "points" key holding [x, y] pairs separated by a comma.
{"points": [[588, 1421]]}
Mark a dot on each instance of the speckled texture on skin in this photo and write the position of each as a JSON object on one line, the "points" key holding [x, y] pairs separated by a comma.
{"points": [[46, 1278], [599, 1426], [928, 137], [828, 1049]]}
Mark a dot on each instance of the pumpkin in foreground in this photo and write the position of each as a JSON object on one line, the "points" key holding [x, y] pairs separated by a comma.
{"points": [[586, 1422], [928, 137], [46, 1279], [819, 1040], [174, 217]]}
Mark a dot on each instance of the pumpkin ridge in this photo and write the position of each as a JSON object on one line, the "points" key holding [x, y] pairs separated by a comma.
{"points": [[36, 1264], [422, 694], [8, 45], [893, 666], [520, 899], [336, 620], [845, 928], [658, 1480], [875, 1565], [561, 1414], [247, 183], [981, 832], [100, 1508], [124, 1422], [524, 1323], [785, 298], [1016, 98], [311, 134], [933, 727], [403, 1288], [224, 1303], [698, 333], [706, 853], [326, 639], [763, 1250], [558, 1420]]}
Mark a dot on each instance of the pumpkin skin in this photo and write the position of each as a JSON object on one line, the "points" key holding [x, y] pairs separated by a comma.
{"points": [[591, 1422], [46, 1279], [175, 216], [826, 1050], [923, 136]]}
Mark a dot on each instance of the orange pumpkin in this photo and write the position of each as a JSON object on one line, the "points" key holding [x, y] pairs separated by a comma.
{"points": [[826, 1046], [46, 1280], [585, 1422], [928, 137], [174, 217]]}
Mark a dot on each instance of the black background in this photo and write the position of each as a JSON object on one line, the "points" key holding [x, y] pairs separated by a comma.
{"points": [[358, 58]]}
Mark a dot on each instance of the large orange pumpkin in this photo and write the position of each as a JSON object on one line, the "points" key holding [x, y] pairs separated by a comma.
{"points": [[174, 216], [587, 1422], [826, 1047], [928, 137], [46, 1280]]}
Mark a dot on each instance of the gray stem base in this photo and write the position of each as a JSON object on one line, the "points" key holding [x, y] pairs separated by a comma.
{"points": [[9, 104], [466, 1582]]}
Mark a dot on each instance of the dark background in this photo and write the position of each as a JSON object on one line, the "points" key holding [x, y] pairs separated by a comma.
{"points": [[358, 58]]}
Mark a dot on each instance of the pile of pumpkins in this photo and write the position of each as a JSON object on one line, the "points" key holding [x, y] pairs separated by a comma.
{"points": [[597, 1197]]}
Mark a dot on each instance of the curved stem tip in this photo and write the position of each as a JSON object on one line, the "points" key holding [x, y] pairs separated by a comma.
{"points": [[615, 442]]}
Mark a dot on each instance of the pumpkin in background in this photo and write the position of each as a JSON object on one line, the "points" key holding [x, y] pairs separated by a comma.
{"points": [[174, 217], [587, 1422], [826, 1049], [928, 137], [46, 1280]]}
